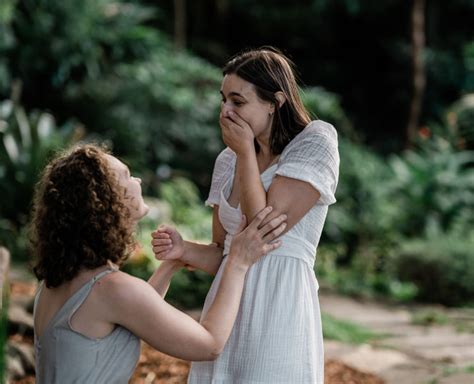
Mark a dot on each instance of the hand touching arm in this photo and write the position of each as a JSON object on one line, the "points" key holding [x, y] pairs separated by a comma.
{"points": [[135, 305]]}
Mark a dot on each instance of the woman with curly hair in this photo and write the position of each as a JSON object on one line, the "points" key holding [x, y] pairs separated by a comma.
{"points": [[88, 315]]}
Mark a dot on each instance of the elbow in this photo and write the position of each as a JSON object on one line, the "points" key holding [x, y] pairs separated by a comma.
{"points": [[212, 348], [212, 353], [216, 349], [215, 353]]}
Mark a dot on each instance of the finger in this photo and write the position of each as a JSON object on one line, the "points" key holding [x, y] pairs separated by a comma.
{"points": [[162, 255], [274, 233], [260, 217], [243, 223], [161, 242], [267, 248], [160, 234], [161, 248], [272, 224], [234, 117]]}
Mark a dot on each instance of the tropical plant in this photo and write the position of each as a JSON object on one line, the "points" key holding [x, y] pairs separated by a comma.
{"points": [[160, 112], [26, 143], [433, 186]]}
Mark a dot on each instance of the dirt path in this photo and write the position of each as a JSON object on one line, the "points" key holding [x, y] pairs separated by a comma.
{"points": [[409, 354]]}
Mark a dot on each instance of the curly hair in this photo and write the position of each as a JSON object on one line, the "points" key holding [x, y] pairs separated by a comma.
{"points": [[79, 220], [270, 71]]}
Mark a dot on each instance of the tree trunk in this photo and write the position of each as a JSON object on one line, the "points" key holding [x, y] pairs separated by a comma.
{"points": [[180, 24], [418, 68], [4, 266]]}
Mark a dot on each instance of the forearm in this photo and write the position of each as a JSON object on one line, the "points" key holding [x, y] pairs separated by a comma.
{"points": [[253, 197], [204, 257], [161, 278], [221, 316]]}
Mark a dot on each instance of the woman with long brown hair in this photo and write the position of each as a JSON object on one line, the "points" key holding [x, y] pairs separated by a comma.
{"points": [[275, 155]]}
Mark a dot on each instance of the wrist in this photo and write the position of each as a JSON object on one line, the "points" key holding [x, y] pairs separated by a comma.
{"points": [[246, 149], [236, 263], [172, 265], [184, 257]]}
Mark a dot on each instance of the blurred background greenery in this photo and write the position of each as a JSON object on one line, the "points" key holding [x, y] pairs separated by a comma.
{"points": [[395, 77]]}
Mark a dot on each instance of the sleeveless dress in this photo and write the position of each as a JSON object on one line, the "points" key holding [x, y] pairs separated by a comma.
{"points": [[65, 356], [277, 336]]}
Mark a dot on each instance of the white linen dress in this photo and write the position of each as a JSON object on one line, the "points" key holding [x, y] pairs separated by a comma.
{"points": [[277, 336]]}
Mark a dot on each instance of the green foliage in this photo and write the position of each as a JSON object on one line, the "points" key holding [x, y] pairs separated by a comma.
{"points": [[7, 40], [188, 289], [181, 207], [26, 143], [71, 41], [440, 265], [102, 63], [378, 237], [326, 106], [461, 120], [363, 216], [161, 111], [187, 211], [429, 317], [433, 187], [345, 331]]}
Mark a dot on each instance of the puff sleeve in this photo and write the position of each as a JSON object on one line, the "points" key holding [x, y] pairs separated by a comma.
{"points": [[312, 156], [223, 169]]}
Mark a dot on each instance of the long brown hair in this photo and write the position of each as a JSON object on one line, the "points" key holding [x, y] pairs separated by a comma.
{"points": [[270, 71], [79, 219]]}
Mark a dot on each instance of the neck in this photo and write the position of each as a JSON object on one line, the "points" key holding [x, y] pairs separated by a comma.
{"points": [[264, 142]]}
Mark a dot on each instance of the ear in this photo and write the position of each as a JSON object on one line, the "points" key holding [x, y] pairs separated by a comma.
{"points": [[281, 99]]}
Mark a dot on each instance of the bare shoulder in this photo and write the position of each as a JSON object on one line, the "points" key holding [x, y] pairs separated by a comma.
{"points": [[122, 287]]}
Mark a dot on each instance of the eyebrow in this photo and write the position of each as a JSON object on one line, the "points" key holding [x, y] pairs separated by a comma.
{"points": [[233, 94]]}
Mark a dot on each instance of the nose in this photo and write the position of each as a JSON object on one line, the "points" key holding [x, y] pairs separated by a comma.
{"points": [[225, 109], [138, 179]]}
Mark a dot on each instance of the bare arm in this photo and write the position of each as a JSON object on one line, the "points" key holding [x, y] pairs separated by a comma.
{"points": [[135, 305], [280, 195], [168, 245], [314, 162], [161, 278]]}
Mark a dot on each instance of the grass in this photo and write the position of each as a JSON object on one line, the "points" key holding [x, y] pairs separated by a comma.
{"points": [[346, 332], [429, 317], [453, 370]]}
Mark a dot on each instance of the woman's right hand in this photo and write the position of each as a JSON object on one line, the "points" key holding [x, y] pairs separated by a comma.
{"points": [[167, 243], [256, 240]]}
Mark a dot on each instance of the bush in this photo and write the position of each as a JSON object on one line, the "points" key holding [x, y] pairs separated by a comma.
{"points": [[433, 186], [26, 143], [363, 215], [326, 106], [440, 266], [162, 111]]}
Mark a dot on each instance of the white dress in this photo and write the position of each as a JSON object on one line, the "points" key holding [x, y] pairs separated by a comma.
{"points": [[277, 336]]}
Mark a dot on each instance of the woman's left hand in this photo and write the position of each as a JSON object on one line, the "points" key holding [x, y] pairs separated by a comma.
{"points": [[236, 133]]}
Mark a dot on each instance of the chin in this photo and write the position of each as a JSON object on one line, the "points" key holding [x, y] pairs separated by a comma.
{"points": [[144, 211]]}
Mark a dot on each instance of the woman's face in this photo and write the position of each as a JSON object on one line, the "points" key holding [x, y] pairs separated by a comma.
{"points": [[132, 186], [240, 97]]}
